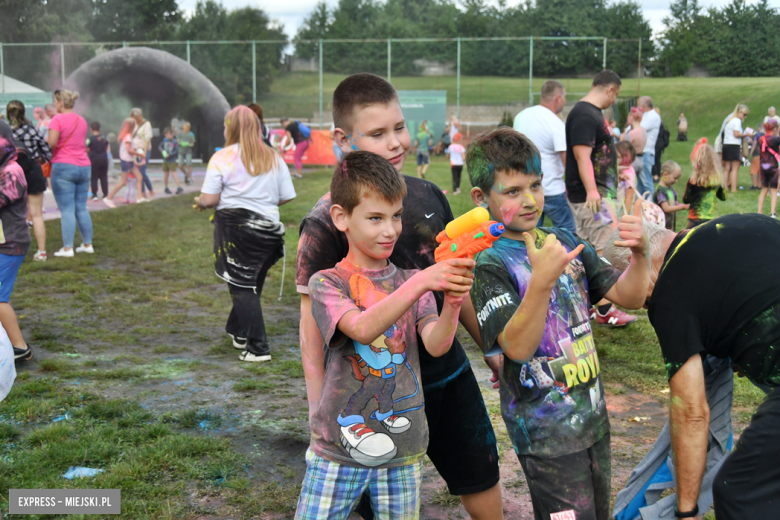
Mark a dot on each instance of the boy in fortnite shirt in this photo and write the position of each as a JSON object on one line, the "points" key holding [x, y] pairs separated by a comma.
{"points": [[532, 291], [462, 445]]}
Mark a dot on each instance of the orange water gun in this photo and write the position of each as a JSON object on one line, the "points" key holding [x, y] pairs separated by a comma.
{"points": [[467, 235]]}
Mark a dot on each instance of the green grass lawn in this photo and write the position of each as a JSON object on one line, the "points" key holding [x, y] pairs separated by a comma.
{"points": [[114, 332]]}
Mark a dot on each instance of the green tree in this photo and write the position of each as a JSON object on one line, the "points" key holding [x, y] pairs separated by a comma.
{"points": [[133, 20]]}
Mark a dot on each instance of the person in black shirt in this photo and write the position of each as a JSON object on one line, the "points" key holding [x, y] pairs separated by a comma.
{"points": [[462, 443], [97, 149], [707, 298], [293, 130]]}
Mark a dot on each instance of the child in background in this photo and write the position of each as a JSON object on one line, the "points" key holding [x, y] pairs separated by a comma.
{"points": [[127, 161], [169, 148], [97, 149], [369, 313], [755, 162], [615, 129], [455, 152], [704, 186], [626, 175], [186, 141], [532, 292], [421, 143], [769, 148], [666, 197]]}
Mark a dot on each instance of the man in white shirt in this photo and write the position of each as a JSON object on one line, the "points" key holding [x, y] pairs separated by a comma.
{"points": [[544, 127], [651, 122], [772, 115]]}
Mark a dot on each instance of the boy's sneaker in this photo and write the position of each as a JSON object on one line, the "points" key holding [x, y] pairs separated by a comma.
{"points": [[239, 343], [187, 180], [167, 191], [40, 256], [396, 424], [94, 198], [254, 358], [63, 253], [85, 249], [613, 318], [456, 192], [179, 190], [773, 215], [23, 354], [367, 446]]}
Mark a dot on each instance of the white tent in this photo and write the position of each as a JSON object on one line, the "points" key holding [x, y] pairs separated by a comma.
{"points": [[14, 86]]}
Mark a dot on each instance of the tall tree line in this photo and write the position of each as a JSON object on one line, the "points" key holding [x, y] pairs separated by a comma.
{"points": [[228, 66]]}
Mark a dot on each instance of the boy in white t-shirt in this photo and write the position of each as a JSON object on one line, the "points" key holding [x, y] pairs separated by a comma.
{"points": [[455, 152]]}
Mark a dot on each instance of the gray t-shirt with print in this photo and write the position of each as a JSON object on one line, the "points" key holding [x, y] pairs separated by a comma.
{"points": [[371, 408]]}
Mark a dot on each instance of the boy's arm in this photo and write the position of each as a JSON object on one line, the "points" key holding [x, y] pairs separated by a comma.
{"points": [[437, 337], [685, 195], [672, 208], [312, 354], [453, 275], [630, 290], [523, 332]]}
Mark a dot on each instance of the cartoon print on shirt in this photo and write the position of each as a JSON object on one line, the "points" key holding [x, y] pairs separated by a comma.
{"points": [[381, 359]]}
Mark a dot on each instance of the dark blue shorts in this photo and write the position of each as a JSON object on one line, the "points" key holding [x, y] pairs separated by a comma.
{"points": [[9, 268], [422, 158], [126, 165]]}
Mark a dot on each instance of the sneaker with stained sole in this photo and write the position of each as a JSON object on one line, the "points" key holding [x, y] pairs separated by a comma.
{"points": [[239, 343], [23, 354], [613, 318]]}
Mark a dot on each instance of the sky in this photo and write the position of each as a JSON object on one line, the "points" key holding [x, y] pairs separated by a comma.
{"points": [[292, 12]]}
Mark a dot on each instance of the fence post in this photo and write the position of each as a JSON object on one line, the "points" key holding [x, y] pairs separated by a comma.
{"points": [[62, 63], [389, 66], [457, 110], [124, 44], [188, 51], [254, 74], [604, 60], [320, 48], [531, 71], [2, 69], [639, 71]]}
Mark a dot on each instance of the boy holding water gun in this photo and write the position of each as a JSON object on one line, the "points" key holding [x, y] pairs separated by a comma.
{"points": [[462, 445], [532, 292]]}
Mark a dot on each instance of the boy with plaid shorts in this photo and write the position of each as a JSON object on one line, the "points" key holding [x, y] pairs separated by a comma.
{"points": [[369, 431]]}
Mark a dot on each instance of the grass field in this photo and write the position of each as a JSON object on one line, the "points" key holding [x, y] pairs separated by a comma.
{"points": [[133, 373]]}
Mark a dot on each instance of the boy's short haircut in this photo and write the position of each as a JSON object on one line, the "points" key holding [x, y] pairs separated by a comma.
{"points": [[360, 172], [359, 91], [186, 123], [503, 149], [626, 146], [669, 167], [605, 78], [167, 130], [95, 126]]}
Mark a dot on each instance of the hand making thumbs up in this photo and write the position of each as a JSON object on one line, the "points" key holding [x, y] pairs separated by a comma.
{"points": [[548, 263], [632, 231]]}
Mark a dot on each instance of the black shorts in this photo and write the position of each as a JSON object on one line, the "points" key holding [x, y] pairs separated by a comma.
{"points": [[36, 182], [769, 177], [748, 483], [732, 152], [580, 482]]}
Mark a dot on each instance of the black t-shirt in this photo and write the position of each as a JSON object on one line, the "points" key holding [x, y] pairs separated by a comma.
{"points": [[98, 148], [769, 161], [718, 293], [295, 131], [586, 125], [426, 213]]}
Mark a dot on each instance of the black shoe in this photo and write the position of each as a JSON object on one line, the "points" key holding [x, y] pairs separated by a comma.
{"points": [[188, 180], [239, 343], [179, 190], [22, 354], [754, 188], [167, 191], [256, 352]]}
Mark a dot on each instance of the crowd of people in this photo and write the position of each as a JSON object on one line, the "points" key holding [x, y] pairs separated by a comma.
{"points": [[387, 380]]}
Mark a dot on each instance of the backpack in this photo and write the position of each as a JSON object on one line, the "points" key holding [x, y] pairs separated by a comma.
{"points": [[305, 130]]}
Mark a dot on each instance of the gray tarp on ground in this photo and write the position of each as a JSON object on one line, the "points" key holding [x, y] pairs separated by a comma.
{"points": [[719, 380]]}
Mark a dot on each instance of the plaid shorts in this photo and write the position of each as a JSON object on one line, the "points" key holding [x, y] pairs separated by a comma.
{"points": [[331, 490]]}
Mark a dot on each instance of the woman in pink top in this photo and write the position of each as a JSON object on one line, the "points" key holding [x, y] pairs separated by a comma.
{"points": [[70, 172]]}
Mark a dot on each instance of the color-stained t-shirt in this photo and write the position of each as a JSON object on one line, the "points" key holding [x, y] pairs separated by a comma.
{"points": [[668, 195], [169, 148], [426, 212], [711, 299], [186, 142], [98, 148], [586, 125], [422, 143], [456, 152], [371, 412], [553, 404], [14, 232], [766, 145], [702, 200]]}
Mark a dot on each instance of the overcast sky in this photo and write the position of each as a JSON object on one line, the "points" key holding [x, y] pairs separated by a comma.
{"points": [[292, 12]]}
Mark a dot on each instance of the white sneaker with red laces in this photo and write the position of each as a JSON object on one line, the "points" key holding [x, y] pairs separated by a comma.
{"points": [[613, 318], [396, 424], [366, 446]]}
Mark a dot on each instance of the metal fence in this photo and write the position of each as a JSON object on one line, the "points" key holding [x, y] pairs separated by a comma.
{"points": [[47, 65]]}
